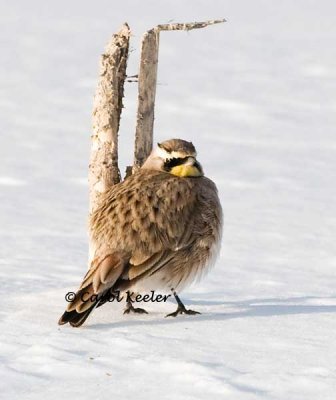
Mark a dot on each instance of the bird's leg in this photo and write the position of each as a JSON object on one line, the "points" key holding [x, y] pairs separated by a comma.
{"points": [[130, 309], [180, 308]]}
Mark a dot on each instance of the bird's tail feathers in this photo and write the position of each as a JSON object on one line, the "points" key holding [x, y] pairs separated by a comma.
{"points": [[94, 290]]}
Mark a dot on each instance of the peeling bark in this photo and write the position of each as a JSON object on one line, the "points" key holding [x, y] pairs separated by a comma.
{"points": [[103, 169]]}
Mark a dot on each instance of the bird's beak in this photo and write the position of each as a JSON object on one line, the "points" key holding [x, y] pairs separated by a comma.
{"points": [[191, 161]]}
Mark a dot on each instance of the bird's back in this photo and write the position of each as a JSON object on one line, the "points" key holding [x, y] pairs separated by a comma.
{"points": [[154, 212]]}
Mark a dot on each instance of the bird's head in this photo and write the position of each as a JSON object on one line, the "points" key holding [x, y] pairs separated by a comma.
{"points": [[175, 156]]}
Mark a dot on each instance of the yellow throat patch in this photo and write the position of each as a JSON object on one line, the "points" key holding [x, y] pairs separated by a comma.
{"points": [[185, 170]]}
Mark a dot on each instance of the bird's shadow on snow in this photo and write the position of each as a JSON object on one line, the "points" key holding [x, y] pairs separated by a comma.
{"points": [[252, 308]]}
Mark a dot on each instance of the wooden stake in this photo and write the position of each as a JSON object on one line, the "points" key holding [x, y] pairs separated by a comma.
{"points": [[103, 168], [147, 86]]}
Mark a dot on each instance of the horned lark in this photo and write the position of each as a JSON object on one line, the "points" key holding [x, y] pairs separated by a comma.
{"points": [[160, 229]]}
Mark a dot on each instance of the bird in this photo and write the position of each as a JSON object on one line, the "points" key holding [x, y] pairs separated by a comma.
{"points": [[159, 229]]}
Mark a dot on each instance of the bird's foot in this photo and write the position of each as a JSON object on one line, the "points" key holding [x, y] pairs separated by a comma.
{"points": [[130, 309], [182, 310]]}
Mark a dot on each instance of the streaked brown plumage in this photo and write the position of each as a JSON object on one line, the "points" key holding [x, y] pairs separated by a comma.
{"points": [[153, 231]]}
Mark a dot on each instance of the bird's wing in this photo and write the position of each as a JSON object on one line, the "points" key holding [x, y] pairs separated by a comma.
{"points": [[136, 230], [147, 213], [149, 216]]}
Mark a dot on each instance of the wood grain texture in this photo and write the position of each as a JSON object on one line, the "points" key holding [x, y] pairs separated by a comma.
{"points": [[103, 168], [146, 97]]}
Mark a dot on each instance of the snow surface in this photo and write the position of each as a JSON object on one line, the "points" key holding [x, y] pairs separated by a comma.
{"points": [[257, 97]]}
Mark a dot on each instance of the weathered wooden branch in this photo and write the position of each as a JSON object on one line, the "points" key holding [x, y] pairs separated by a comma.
{"points": [[103, 168], [147, 86], [189, 25], [146, 97]]}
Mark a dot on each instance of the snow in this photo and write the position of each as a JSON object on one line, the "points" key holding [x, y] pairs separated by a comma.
{"points": [[256, 96]]}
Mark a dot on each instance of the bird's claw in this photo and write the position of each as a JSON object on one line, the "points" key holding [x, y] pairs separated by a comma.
{"points": [[181, 310], [135, 310]]}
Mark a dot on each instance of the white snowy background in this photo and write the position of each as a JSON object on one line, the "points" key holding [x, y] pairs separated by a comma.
{"points": [[257, 97]]}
